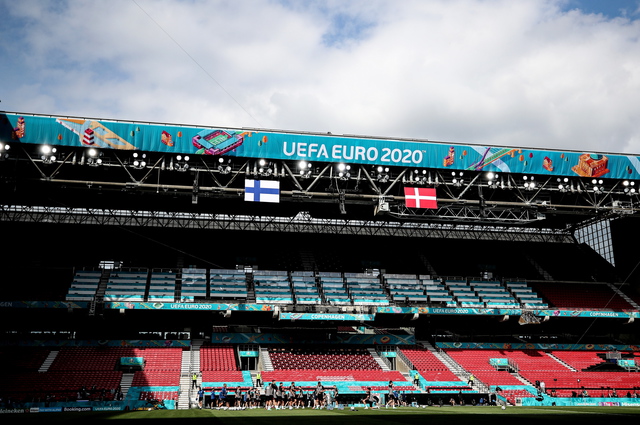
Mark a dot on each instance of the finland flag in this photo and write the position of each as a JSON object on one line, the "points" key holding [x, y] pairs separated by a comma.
{"points": [[262, 191]]}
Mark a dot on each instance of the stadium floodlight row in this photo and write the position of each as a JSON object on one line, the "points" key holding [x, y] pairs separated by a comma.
{"points": [[283, 145]]}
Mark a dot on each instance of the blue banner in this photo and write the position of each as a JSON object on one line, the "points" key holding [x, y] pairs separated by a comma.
{"points": [[44, 304], [188, 306], [508, 312], [123, 305], [535, 346], [340, 338], [580, 401], [327, 316], [173, 138]]}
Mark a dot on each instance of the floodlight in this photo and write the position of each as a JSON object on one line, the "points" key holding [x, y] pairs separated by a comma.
{"points": [[181, 163], [92, 157], [344, 171], [305, 169], [4, 150], [265, 168], [382, 174], [48, 154], [224, 168]]}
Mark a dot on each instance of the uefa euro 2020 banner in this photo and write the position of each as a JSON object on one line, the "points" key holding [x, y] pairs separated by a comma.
{"points": [[323, 148]]}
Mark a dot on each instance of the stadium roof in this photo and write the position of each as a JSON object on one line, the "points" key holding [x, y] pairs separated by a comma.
{"points": [[104, 172]]}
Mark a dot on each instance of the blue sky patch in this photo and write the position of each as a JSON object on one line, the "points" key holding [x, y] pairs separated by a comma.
{"points": [[345, 29], [608, 8]]}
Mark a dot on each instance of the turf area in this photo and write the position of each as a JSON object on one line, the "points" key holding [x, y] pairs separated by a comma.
{"points": [[431, 415]]}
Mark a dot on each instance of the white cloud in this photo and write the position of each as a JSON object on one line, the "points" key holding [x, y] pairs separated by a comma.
{"points": [[522, 73]]}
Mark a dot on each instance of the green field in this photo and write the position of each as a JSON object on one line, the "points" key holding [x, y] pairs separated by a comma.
{"points": [[467, 415]]}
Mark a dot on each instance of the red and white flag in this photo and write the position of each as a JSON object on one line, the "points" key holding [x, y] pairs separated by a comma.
{"points": [[420, 197]]}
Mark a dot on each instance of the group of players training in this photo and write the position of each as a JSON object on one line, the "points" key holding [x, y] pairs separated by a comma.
{"points": [[279, 396], [293, 396], [276, 396]]}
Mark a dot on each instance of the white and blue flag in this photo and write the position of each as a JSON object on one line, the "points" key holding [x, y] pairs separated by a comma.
{"points": [[262, 191]]}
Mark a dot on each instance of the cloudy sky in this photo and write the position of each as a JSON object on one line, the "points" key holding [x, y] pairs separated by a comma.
{"points": [[561, 74]]}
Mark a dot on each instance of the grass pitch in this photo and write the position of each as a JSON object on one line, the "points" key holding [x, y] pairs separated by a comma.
{"points": [[466, 415]]}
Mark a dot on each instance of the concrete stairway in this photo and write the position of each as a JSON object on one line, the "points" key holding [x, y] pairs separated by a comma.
{"points": [[125, 383], [266, 359], [46, 364], [190, 364], [383, 364]]}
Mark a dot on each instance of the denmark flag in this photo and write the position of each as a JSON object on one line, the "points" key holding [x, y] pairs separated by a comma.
{"points": [[420, 197]]}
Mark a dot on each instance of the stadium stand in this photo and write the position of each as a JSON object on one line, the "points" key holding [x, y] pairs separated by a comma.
{"points": [[525, 295], [478, 362], [428, 365], [292, 358], [194, 284], [579, 360], [556, 368], [437, 292], [272, 287], [219, 365], [566, 372], [218, 357], [365, 290], [405, 288], [228, 285], [493, 294], [463, 294], [84, 286], [305, 289], [161, 368], [162, 286], [333, 288], [127, 286], [91, 373]]}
